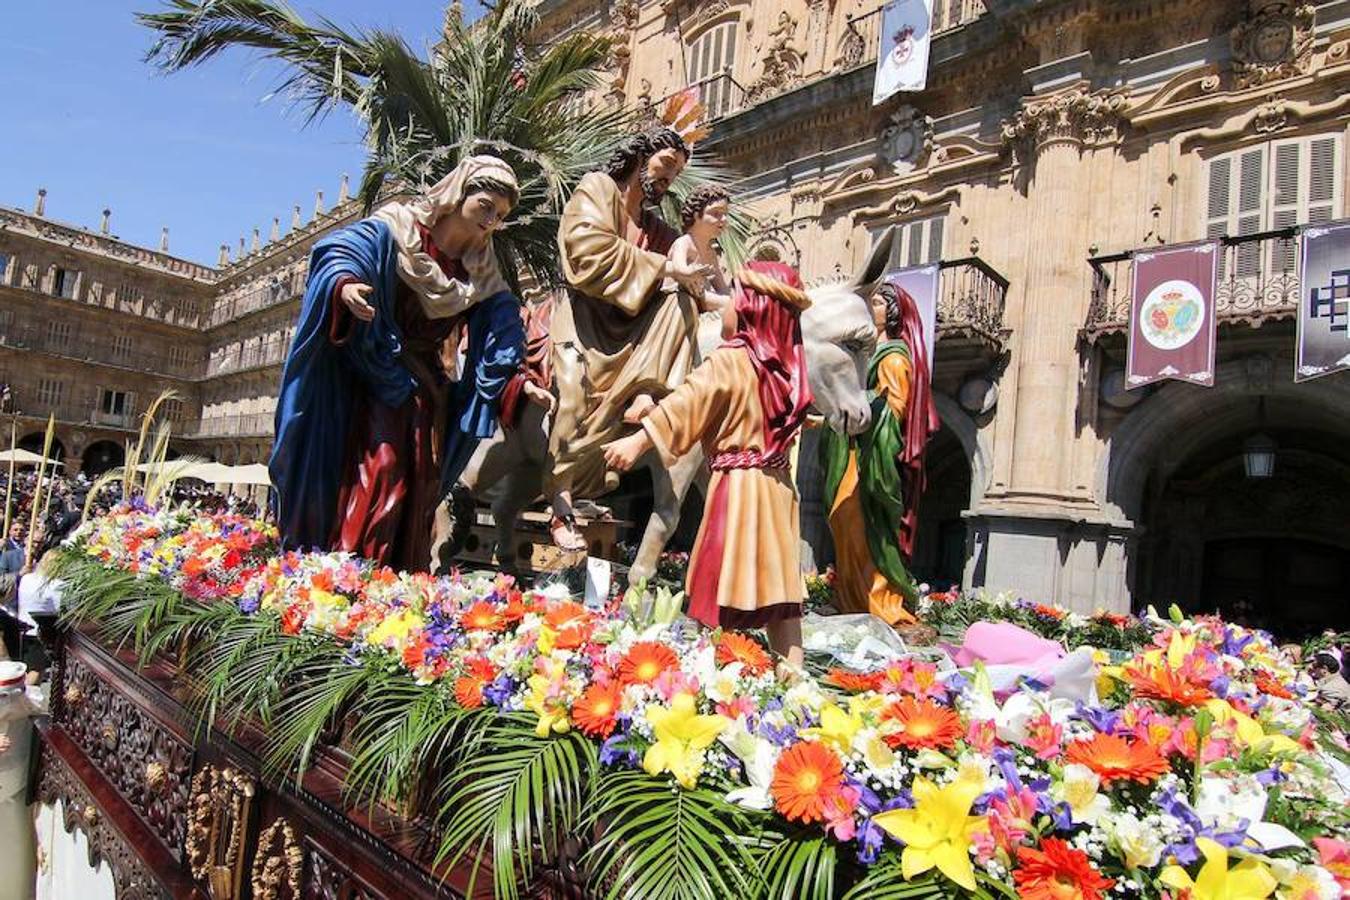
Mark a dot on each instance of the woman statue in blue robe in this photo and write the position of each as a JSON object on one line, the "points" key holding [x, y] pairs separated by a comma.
{"points": [[368, 425]]}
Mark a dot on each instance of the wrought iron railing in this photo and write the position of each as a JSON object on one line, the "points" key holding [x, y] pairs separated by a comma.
{"points": [[1257, 280], [249, 356], [101, 351], [972, 300], [240, 425], [72, 413], [861, 39]]}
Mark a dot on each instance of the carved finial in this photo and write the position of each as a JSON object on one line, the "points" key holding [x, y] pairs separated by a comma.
{"points": [[242, 252], [257, 241], [164, 239], [295, 217], [276, 230], [318, 204], [107, 221], [343, 192], [224, 259], [40, 206]]}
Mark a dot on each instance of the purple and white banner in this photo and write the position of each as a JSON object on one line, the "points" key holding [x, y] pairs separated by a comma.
{"points": [[923, 284], [906, 30], [1323, 302], [1172, 326]]}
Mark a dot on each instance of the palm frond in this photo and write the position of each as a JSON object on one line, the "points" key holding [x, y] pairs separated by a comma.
{"points": [[662, 843], [800, 867]]}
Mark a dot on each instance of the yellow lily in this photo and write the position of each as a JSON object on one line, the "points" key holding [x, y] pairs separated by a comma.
{"points": [[1178, 648], [395, 629], [837, 728], [681, 737], [1249, 731], [1248, 880], [547, 638], [552, 715], [938, 830]]}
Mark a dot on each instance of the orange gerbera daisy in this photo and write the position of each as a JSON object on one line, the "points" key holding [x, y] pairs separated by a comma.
{"points": [[737, 648], [923, 724], [482, 616], [854, 682], [1115, 759], [645, 661], [1161, 683], [1058, 872], [805, 779], [571, 622], [478, 673], [594, 713]]}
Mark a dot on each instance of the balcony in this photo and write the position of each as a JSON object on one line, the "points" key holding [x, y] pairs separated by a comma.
{"points": [[970, 307], [80, 414], [101, 352], [1257, 282], [264, 296], [255, 356], [244, 425]]}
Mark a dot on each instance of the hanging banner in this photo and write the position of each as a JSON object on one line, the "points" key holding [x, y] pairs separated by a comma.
{"points": [[1324, 302], [1172, 315], [902, 60], [922, 283]]}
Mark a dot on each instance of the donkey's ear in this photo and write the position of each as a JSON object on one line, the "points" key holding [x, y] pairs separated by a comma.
{"points": [[865, 281]]}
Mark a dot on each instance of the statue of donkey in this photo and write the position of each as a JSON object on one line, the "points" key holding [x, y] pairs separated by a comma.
{"points": [[838, 336]]}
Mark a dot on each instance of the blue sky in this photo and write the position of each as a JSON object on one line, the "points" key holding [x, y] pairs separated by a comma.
{"points": [[200, 151]]}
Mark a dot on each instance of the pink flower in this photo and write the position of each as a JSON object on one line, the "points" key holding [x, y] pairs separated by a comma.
{"points": [[1335, 859], [672, 682], [737, 707], [839, 808], [982, 735], [1044, 737]]}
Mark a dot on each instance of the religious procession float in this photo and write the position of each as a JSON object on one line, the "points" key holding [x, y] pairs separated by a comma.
{"points": [[330, 705]]}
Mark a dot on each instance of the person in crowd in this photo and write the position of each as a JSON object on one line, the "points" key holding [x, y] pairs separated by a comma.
{"points": [[12, 555], [1333, 691]]}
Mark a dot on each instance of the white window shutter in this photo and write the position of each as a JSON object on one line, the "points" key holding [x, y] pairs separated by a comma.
{"points": [[1250, 217], [1324, 188], [935, 226], [1285, 208]]}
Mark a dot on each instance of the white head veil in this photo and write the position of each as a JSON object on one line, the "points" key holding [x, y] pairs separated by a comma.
{"points": [[440, 295]]}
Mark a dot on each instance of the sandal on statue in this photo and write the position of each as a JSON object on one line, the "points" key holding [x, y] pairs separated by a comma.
{"points": [[563, 531]]}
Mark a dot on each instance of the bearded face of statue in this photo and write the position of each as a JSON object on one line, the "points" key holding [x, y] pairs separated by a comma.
{"points": [[662, 168]]}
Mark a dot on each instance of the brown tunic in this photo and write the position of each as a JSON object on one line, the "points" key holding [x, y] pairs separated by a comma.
{"points": [[616, 333], [745, 569]]}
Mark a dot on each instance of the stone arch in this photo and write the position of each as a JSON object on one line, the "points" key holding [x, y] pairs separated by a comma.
{"points": [[100, 456], [33, 442]]}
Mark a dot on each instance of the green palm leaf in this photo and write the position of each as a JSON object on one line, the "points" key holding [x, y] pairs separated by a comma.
{"points": [[800, 867]]}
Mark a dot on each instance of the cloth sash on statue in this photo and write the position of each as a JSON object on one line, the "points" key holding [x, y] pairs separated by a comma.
{"points": [[881, 478]]}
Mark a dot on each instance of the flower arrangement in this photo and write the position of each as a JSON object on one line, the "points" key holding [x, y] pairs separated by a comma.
{"points": [[1190, 766]]}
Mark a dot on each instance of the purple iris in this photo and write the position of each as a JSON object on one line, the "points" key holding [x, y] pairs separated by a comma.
{"points": [[500, 691], [248, 605], [1233, 644], [1185, 850], [1104, 720], [780, 736]]}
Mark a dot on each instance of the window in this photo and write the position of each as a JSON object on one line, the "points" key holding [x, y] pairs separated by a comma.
{"points": [[114, 403], [63, 282], [121, 347], [5, 259], [172, 410], [51, 391], [1271, 186], [178, 356], [58, 335], [917, 243], [712, 54]]}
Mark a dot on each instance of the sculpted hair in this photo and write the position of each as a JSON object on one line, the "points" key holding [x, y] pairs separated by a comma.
{"points": [[701, 198], [492, 186], [640, 147]]}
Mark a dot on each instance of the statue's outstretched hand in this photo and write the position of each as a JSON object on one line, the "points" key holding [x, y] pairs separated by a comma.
{"points": [[622, 455], [540, 396], [691, 276], [354, 296]]}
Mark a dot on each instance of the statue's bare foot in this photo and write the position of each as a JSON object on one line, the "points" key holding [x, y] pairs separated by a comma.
{"points": [[638, 410], [566, 537]]}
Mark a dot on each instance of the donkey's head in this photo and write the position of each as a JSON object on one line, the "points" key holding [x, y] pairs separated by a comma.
{"points": [[840, 336]]}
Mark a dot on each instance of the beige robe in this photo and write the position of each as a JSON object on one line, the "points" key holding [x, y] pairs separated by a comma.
{"points": [[616, 333], [752, 529]]}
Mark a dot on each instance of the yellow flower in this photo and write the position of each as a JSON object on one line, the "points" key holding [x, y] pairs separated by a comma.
{"points": [[1248, 880], [394, 630], [837, 727], [681, 737], [547, 638], [1249, 731], [552, 714], [1178, 648], [938, 830]]}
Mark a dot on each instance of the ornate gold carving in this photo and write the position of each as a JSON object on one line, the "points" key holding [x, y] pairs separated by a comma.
{"points": [[222, 802], [1274, 41], [89, 814], [74, 695], [155, 775], [1076, 115], [109, 734], [278, 864], [782, 62]]}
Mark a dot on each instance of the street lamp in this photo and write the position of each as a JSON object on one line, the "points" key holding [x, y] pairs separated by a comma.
{"points": [[1258, 455]]}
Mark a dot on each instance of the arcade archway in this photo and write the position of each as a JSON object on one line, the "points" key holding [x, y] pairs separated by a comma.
{"points": [[33, 443], [100, 456]]}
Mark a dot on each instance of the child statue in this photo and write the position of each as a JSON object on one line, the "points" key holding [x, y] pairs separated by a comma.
{"points": [[746, 404]]}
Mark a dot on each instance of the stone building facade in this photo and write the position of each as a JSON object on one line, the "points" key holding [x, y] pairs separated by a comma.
{"points": [[1054, 138]]}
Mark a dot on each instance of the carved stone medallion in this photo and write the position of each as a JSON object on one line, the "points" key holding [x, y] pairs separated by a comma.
{"points": [[907, 139], [1274, 41], [222, 803]]}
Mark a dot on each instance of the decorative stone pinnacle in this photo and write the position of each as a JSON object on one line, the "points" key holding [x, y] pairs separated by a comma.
{"points": [[164, 239], [40, 206], [105, 224], [343, 192]]}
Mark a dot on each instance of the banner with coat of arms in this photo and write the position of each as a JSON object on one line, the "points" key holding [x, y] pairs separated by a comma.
{"points": [[1323, 302], [1172, 325], [902, 60]]}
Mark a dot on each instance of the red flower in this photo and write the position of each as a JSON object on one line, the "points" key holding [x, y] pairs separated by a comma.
{"points": [[293, 619], [594, 713], [737, 648], [1161, 683], [645, 661], [805, 779], [1267, 684], [1058, 872], [854, 682], [478, 673], [482, 616]]}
